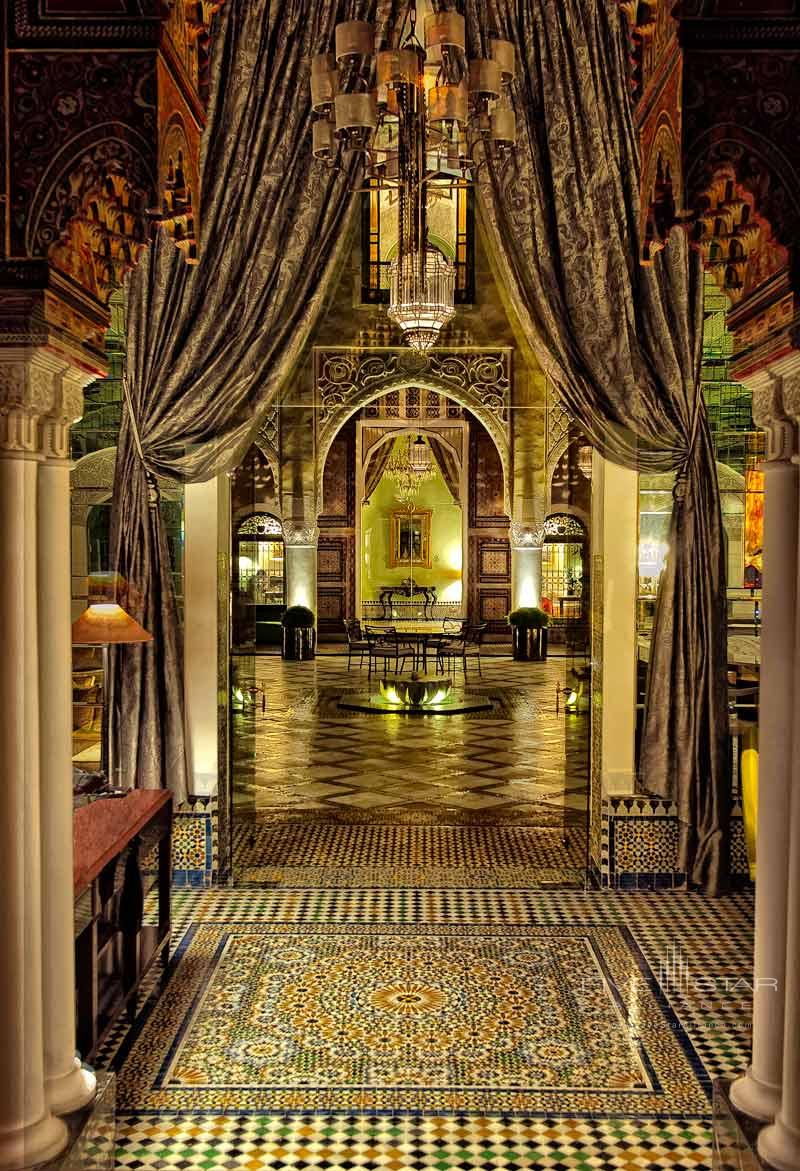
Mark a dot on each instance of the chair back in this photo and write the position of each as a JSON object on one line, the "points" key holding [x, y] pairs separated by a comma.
{"points": [[353, 629], [380, 636], [453, 626], [474, 634]]}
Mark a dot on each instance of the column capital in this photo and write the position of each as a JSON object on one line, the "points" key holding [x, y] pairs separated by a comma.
{"points": [[772, 413], [41, 395], [297, 534], [526, 534]]}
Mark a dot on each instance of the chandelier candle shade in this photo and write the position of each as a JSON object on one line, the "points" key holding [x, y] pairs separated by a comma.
{"points": [[425, 117]]}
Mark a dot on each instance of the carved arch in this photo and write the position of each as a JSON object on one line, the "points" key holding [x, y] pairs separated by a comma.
{"points": [[346, 380]]}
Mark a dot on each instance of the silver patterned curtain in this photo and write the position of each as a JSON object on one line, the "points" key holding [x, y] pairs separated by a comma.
{"points": [[209, 345], [622, 344], [448, 465]]}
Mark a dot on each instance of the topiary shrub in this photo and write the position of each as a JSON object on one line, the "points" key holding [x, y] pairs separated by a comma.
{"points": [[528, 617], [298, 617]]}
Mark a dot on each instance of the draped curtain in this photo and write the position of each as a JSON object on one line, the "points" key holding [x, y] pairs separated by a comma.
{"points": [[209, 345], [622, 345], [448, 465], [379, 458]]}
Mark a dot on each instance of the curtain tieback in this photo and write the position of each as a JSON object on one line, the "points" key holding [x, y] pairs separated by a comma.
{"points": [[153, 493], [679, 488]]}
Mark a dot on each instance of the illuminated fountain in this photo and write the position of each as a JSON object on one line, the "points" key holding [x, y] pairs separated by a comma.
{"points": [[416, 695]]}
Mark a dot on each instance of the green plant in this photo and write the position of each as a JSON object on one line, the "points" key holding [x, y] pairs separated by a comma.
{"points": [[296, 617], [529, 617]]}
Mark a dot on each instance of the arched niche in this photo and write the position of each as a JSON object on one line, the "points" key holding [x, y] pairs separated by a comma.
{"points": [[258, 580], [565, 569]]}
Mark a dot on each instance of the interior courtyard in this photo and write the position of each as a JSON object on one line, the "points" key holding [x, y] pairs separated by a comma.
{"points": [[400, 580]]}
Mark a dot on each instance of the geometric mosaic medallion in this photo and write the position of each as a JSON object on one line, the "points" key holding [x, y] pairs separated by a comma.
{"points": [[314, 1017]]}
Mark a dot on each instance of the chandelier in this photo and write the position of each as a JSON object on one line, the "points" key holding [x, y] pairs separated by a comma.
{"points": [[425, 117], [410, 465]]}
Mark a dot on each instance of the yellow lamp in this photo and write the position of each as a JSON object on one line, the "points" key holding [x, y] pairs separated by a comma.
{"points": [[103, 624]]}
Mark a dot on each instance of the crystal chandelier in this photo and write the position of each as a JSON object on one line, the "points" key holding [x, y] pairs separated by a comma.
{"points": [[425, 118], [410, 465]]}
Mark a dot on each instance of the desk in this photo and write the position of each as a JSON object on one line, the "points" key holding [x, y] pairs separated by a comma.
{"points": [[114, 948]]}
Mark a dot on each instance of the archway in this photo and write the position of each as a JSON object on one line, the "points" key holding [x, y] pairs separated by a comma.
{"points": [[258, 581], [347, 380]]}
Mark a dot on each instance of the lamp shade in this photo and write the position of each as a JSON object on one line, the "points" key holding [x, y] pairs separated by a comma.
{"points": [[107, 622]]}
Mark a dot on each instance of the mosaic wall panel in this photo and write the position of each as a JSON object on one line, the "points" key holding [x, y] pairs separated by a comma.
{"points": [[639, 844], [194, 843], [494, 560]]}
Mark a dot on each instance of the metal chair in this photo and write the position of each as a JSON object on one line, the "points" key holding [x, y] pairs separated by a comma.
{"points": [[467, 646], [356, 643], [384, 643]]}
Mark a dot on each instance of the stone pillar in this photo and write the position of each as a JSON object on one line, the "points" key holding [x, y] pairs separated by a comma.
{"points": [[206, 537], [779, 1144], [67, 1085], [758, 1092], [615, 541], [526, 563], [29, 1132], [300, 564]]}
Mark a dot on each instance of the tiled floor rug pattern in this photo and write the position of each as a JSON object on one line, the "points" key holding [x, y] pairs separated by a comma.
{"points": [[400, 1143], [708, 944], [414, 1017], [328, 845], [305, 759]]}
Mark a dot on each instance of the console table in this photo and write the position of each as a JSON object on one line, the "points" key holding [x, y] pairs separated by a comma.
{"points": [[121, 854], [388, 593]]}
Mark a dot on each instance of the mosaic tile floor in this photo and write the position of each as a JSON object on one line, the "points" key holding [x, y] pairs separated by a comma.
{"points": [[559, 1029]]}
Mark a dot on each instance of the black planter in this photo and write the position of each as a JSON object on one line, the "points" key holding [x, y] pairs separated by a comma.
{"points": [[529, 643], [299, 643]]}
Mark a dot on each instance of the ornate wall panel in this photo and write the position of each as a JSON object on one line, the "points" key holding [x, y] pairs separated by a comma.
{"points": [[494, 559], [339, 481], [486, 489], [335, 582]]}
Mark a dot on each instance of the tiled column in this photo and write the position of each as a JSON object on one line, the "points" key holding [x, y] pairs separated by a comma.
{"points": [[300, 564], [29, 1133], [758, 1092], [67, 1085], [779, 1144], [526, 563]]}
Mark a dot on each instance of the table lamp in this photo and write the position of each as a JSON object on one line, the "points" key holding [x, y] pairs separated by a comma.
{"points": [[102, 624]]}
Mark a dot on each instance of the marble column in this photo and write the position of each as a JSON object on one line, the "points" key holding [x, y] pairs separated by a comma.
{"points": [[758, 1092], [779, 1143], [29, 1132], [614, 582], [206, 544], [526, 563], [300, 564], [68, 1086]]}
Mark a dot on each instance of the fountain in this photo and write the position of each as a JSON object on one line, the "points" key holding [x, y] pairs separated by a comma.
{"points": [[416, 695]]}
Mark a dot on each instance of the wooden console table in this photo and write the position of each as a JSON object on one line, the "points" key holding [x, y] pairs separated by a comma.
{"points": [[114, 948], [404, 590]]}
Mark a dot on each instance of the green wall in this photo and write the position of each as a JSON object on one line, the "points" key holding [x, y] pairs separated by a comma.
{"points": [[446, 547]]}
